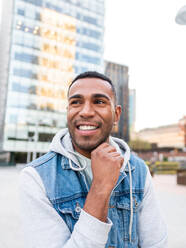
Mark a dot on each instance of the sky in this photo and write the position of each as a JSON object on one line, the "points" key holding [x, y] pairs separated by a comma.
{"points": [[144, 36]]}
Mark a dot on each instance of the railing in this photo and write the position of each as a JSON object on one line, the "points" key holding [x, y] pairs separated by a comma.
{"points": [[181, 176], [171, 168]]}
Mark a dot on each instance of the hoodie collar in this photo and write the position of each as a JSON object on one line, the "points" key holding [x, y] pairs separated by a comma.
{"points": [[62, 144]]}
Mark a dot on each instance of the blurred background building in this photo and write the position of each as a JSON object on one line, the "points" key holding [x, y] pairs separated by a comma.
{"points": [[132, 113], [173, 135], [43, 45], [119, 75]]}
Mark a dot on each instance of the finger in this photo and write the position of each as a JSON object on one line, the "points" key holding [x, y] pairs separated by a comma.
{"points": [[100, 148], [103, 146], [121, 159], [115, 154], [110, 149]]}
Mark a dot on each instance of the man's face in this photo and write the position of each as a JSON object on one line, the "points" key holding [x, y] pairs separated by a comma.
{"points": [[91, 113]]}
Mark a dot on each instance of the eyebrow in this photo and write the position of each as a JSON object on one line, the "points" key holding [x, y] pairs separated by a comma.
{"points": [[97, 95], [75, 96]]}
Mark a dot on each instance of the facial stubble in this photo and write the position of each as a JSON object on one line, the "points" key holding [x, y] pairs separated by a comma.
{"points": [[88, 147]]}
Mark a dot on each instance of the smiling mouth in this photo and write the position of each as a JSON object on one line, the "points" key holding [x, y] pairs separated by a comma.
{"points": [[87, 127]]}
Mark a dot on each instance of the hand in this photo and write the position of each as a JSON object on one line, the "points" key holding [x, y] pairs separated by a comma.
{"points": [[106, 163]]}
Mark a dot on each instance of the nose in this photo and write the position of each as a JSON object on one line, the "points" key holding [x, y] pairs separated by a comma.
{"points": [[87, 110]]}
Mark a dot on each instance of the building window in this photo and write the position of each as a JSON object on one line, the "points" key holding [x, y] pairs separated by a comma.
{"points": [[24, 73], [35, 2], [89, 32], [26, 58], [29, 58], [88, 59], [37, 16], [21, 12], [90, 46], [90, 20], [54, 7], [13, 119]]}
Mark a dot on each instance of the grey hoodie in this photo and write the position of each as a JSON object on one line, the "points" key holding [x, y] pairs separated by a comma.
{"points": [[44, 228]]}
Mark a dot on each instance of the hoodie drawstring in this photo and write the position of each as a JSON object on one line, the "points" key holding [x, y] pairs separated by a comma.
{"points": [[131, 204], [77, 168]]}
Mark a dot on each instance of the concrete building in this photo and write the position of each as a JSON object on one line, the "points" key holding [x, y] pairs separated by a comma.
{"points": [[132, 112], [173, 135], [43, 45], [119, 75]]}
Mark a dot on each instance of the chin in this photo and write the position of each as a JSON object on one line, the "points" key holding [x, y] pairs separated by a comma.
{"points": [[87, 146]]}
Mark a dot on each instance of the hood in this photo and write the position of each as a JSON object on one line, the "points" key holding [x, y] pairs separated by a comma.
{"points": [[62, 144], [121, 147]]}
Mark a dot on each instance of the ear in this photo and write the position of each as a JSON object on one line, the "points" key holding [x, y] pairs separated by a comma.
{"points": [[118, 111]]}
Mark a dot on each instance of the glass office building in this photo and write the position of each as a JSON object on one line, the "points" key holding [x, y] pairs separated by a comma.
{"points": [[119, 75], [44, 45]]}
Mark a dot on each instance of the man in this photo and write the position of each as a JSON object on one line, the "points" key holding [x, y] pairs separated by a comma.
{"points": [[89, 191]]}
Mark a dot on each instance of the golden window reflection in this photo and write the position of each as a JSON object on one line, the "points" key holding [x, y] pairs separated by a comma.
{"points": [[57, 59], [51, 92]]}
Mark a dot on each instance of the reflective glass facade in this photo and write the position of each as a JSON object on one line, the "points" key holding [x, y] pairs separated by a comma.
{"points": [[50, 42], [119, 75]]}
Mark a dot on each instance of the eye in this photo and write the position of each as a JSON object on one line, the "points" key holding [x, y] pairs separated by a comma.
{"points": [[99, 101], [75, 102]]}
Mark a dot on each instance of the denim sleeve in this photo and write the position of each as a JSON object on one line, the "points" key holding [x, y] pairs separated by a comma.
{"points": [[42, 226], [151, 226]]}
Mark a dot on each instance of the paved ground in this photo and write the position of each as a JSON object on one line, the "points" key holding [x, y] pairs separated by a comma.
{"points": [[172, 199], [173, 202], [10, 235]]}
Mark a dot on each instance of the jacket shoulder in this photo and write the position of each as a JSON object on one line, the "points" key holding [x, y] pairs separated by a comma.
{"points": [[43, 159], [138, 163]]}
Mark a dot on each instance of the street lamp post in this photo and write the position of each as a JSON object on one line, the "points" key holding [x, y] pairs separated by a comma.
{"points": [[181, 19], [36, 136], [181, 16], [28, 153]]}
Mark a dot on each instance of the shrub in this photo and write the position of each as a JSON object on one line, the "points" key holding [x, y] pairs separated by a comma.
{"points": [[166, 167]]}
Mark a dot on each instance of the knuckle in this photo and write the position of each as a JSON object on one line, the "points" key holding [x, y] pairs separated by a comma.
{"points": [[120, 159], [93, 152]]}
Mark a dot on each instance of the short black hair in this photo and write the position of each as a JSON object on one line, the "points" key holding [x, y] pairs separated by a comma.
{"points": [[94, 74]]}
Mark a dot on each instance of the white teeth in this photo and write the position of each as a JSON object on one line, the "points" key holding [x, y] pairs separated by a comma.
{"points": [[87, 127]]}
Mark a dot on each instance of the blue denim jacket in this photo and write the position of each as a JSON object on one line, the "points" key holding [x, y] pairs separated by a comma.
{"points": [[67, 190]]}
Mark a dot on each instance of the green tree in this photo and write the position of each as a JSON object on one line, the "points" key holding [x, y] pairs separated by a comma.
{"points": [[138, 145]]}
